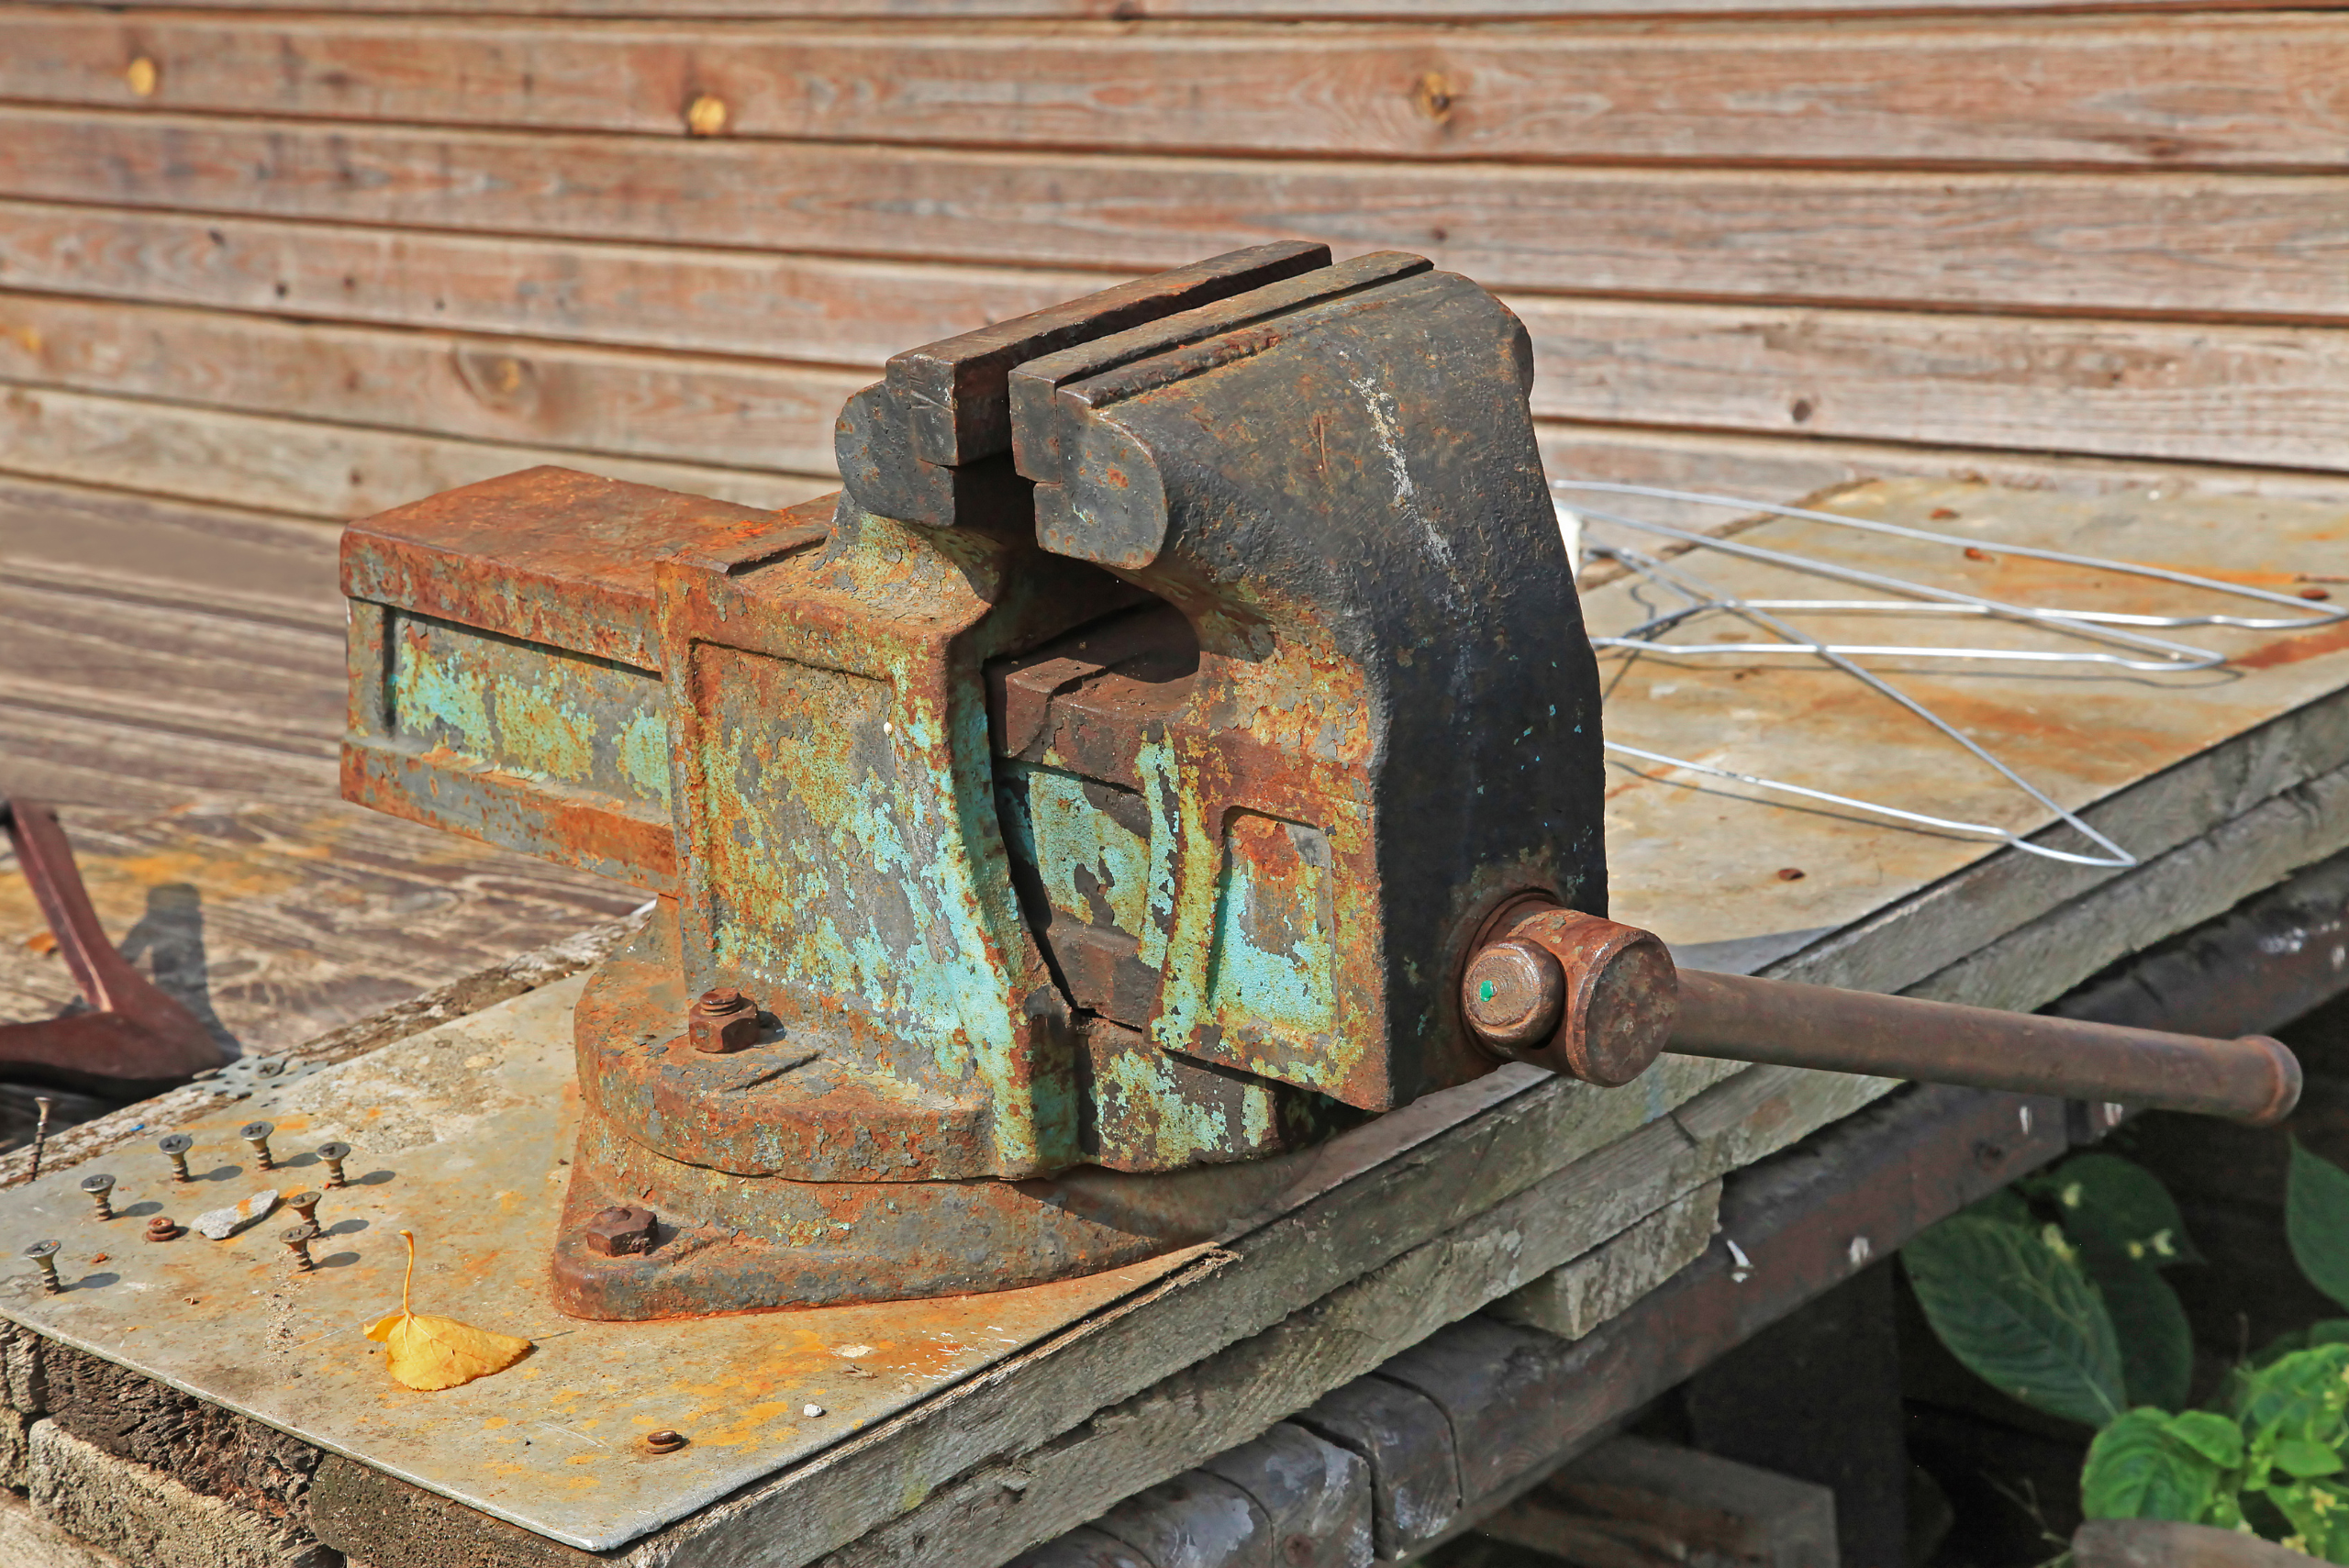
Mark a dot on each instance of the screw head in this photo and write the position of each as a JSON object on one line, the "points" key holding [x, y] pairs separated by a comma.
{"points": [[302, 1204], [621, 1231], [721, 1020], [40, 1250], [254, 1131], [1513, 995], [99, 1183], [300, 1235], [175, 1143], [331, 1152], [664, 1441]]}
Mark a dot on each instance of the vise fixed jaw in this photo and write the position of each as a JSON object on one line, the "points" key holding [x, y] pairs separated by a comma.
{"points": [[1094, 804]]}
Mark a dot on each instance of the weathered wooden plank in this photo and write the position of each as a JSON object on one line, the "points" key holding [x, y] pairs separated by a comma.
{"points": [[1315, 1496], [2131, 91], [1633, 1496], [301, 467], [730, 411], [1404, 1442], [1574, 1299], [1136, 10], [279, 923], [2267, 246], [1196, 1521], [817, 309], [2215, 393], [2201, 392], [1242, 1389]]}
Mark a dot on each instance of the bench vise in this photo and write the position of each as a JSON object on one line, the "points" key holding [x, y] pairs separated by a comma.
{"points": [[1177, 743]]}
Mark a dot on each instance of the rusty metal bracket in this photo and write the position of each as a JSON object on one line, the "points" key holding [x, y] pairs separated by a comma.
{"points": [[134, 1040]]}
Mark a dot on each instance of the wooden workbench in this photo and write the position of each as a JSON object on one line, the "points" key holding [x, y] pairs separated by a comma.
{"points": [[1368, 1288]]}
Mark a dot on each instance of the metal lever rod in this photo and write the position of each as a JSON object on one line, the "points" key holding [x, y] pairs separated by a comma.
{"points": [[2253, 1079], [1598, 1001]]}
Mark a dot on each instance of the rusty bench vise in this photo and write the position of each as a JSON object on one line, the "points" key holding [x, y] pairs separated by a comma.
{"points": [[1177, 743]]}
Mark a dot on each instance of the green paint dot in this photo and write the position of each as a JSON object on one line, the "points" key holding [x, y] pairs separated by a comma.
{"points": [[1484, 990]]}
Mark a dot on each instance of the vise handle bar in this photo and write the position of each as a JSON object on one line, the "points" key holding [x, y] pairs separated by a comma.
{"points": [[1599, 1001]]}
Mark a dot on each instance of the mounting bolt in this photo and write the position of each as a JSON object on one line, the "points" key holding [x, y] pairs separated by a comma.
{"points": [[297, 1241], [176, 1145], [305, 1205], [101, 1190], [44, 1253], [664, 1441], [256, 1133], [722, 1021], [334, 1154], [621, 1231], [162, 1228], [1513, 995]]}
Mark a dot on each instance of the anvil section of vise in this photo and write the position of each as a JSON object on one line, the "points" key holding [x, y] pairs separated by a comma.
{"points": [[1086, 812]]}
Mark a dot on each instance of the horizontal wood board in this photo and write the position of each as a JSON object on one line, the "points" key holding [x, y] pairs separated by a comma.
{"points": [[2243, 395], [2261, 245], [2252, 90], [1136, 10]]}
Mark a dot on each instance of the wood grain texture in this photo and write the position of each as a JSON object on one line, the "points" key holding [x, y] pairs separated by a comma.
{"points": [[2269, 246], [2240, 394], [2254, 90], [295, 466], [2231, 394], [737, 412], [1136, 10], [817, 309]]}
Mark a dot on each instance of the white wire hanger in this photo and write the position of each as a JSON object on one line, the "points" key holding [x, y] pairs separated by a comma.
{"points": [[2141, 652]]}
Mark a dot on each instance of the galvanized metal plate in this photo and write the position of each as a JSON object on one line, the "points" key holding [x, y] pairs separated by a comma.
{"points": [[460, 1136], [1700, 859]]}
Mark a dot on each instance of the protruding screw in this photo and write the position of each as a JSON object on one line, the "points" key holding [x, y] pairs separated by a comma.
{"points": [[256, 1133], [44, 1254], [621, 1231], [1513, 995], [176, 1145], [334, 1154], [722, 1021], [101, 1190], [297, 1241], [664, 1440], [305, 1205], [162, 1228]]}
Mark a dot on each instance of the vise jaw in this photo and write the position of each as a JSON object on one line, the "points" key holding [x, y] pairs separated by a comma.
{"points": [[1089, 809]]}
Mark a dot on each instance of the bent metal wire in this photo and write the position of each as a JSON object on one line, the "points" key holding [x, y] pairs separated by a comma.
{"points": [[1700, 599]]}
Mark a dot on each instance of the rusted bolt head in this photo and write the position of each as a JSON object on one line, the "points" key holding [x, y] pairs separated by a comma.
{"points": [[723, 1019], [162, 1229], [664, 1440], [1512, 996], [1621, 996], [621, 1231]]}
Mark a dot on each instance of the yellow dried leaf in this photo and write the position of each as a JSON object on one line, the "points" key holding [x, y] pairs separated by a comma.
{"points": [[427, 1353]]}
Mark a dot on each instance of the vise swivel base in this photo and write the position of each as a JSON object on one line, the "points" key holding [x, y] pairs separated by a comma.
{"points": [[1177, 743]]}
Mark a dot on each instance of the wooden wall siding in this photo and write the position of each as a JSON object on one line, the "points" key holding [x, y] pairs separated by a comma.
{"points": [[1132, 11], [2240, 394], [2245, 91], [329, 261]]}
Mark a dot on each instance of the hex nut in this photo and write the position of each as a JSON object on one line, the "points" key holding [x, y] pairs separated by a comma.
{"points": [[722, 1021], [624, 1230]]}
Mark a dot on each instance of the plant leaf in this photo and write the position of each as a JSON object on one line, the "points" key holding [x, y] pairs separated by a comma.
{"points": [[2301, 1459], [430, 1352], [2316, 1221], [2299, 1396], [2104, 1194], [2020, 1314], [2215, 1436], [2138, 1469], [2156, 1341]]}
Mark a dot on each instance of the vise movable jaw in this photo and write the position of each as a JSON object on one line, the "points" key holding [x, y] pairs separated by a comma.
{"points": [[1090, 808]]}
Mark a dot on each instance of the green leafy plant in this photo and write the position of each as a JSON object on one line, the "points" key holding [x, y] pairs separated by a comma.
{"points": [[2052, 1293]]}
